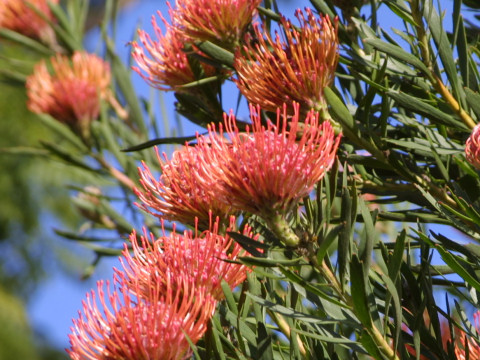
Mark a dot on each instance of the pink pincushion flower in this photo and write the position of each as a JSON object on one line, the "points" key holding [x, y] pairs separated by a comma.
{"points": [[294, 69], [18, 15], [223, 22], [168, 67], [472, 148], [181, 193], [462, 341], [72, 92], [266, 171], [204, 258], [130, 327]]}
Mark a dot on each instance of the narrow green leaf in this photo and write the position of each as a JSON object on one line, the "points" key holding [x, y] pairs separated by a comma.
{"points": [[296, 279], [268, 262], [216, 52], [64, 132], [454, 262], [426, 110], [368, 237], [444, 48], [473, 100], [249, 244], [398, 53], [264, 343], [359, 294], [25, 41], [372, 348], [160, 141], [397, 306]]}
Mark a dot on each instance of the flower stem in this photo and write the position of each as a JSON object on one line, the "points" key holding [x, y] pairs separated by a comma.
{"points": [[280, 227], [285, 329]]}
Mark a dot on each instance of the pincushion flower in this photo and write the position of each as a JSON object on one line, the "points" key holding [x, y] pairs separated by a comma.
{"points": [[462, 341], [164, 62], [472, 148], [267, 170], [222, 22], [294, 69], [122, 326], [18, 15], [72, 92], [205, 258], [181, 193]]}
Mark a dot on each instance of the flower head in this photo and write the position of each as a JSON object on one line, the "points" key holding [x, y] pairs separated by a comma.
{"points": [[267, 170], [462, 341], [472, 147], [72, 92], [19, 16], [222, 22], [295, 69], [168, 67], [181, 193], [124, 326], [205, 259]]}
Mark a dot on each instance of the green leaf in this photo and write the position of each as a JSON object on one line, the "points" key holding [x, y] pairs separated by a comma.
{"points": [[264, 343], [25, 41], [359, 293], [426, 110], [372, 348], [398, 53], [368, 236], [160, 141], [296, 279], [443, 46], [473, 100], [64, 132], [216, 52]]}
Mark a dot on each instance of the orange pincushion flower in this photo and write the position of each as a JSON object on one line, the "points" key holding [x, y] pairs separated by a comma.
{"points": [[128, 327], [168, 67], [223, 22], [266, 171], [472, 148], [203, 258], [295, 69], [18, 15], [181, 193], [72, 92]]}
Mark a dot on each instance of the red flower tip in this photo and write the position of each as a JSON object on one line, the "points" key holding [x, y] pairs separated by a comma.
{"points": [[219, 21], [268, 169], [167, 67], [19, 16], [121, 325], [181, 193], [294, 69], [472, 148], [72, 92], [203, 259]]}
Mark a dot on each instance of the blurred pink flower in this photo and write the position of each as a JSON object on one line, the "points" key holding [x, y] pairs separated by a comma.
{"points": [[472, 147], [168, 67], [462, 341], [294, 69], [204, 258], [267, 170], [181, 193], [121, 325], [222, 22], [18, 15], [72, 92]]}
